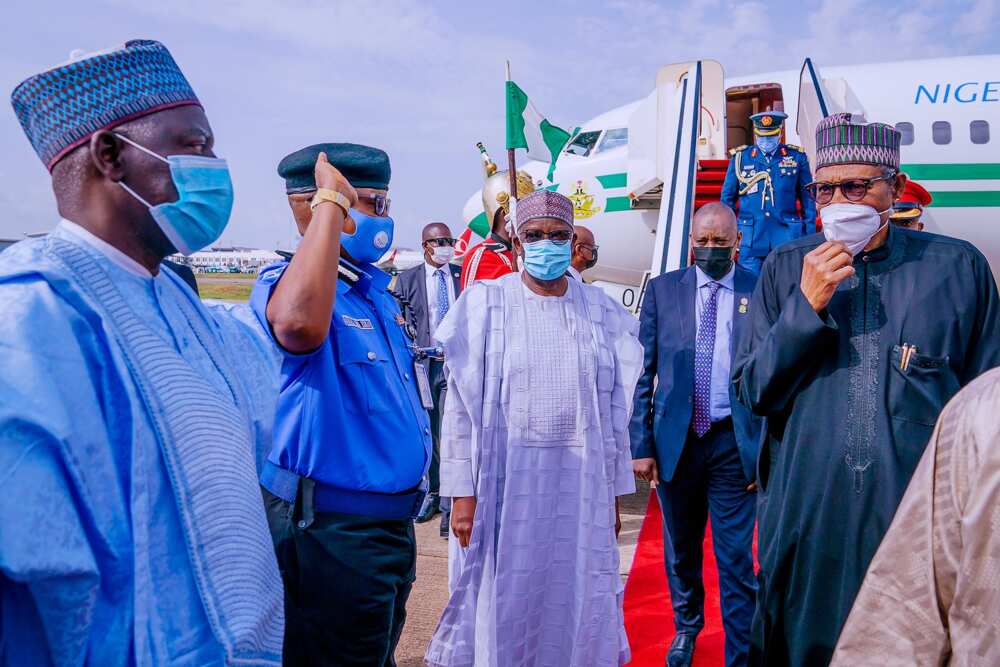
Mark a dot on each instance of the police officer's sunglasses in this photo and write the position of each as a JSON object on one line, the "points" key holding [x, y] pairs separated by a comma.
{"points": [[379, 202], [440, 242], [854, 189]]}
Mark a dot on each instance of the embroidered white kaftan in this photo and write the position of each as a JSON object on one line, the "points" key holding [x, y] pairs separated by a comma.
{"points": [[535, 426]]}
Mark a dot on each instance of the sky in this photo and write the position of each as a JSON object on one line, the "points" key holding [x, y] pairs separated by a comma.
{"points": [[424, 81]]}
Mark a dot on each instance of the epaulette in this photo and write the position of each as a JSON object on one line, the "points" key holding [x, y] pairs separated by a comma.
{"points": [[795, 148], [734, 151]]}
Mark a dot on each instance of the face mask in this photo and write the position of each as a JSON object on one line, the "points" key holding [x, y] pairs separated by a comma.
{"points": [[204, 200], [593, 260], [854, 224], [546, 260], [715, 262], [443, 254], [767, 144], [371, 238]]}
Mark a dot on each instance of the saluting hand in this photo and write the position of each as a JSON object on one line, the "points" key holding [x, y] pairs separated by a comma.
{"points": [[463, 510], [329, 177], [823, 269]]}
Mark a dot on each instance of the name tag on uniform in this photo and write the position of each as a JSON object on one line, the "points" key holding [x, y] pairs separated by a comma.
{"points": [[362, 323], [789, 162], [423, 385]]}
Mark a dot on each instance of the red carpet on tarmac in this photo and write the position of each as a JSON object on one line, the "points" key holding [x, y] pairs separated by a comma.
{"points": [[648, 617]]}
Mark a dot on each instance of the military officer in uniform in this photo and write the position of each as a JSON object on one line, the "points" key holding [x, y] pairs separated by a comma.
{"points": [[768, 180], [352, 439], [494, 257], [909, 208]]}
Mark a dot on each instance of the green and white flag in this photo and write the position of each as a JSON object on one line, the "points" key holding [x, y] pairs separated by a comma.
{"points": [[528, 129]]}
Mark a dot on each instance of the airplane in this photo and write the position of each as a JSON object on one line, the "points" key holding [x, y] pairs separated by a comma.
{"points": [[637, 173]]}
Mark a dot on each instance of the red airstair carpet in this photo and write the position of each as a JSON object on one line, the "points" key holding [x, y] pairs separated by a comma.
{"points": [[648, 617]]}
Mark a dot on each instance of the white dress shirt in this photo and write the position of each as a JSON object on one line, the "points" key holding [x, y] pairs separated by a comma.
{"points": [[432, 290]]}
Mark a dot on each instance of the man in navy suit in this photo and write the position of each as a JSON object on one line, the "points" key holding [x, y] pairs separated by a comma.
{"points": [[692, 439], [427, 291]]}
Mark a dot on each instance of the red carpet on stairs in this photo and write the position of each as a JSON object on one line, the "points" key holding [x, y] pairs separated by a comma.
{"points": [[648, 617]]}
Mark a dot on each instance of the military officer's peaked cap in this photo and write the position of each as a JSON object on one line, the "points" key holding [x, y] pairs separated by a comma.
{"points": [[912, 202], [767, 123], [362, 166]]}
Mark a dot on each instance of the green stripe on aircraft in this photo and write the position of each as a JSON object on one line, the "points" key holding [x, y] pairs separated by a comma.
{"points": [[967, 198]]}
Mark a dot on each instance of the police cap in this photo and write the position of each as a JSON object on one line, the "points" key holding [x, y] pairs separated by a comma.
{"points": [[362, 166]]}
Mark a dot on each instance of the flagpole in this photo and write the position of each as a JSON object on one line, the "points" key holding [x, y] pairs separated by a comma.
{"points": [[511, 176]]}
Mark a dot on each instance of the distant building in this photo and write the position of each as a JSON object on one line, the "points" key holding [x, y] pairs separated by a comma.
{"points": [[246, 260]]}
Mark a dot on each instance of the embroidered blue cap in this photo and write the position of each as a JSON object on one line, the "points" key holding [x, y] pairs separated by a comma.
{"points": [[61, 108]]}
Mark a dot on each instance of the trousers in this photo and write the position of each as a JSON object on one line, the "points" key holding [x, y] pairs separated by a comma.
{"points": [[709, 481], [347, 578]]}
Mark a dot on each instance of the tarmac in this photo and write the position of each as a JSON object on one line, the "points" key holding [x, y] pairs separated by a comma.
{"points": [[430, 592]]}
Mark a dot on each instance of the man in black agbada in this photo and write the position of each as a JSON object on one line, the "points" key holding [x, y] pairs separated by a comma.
{"points": [[856, 343]]}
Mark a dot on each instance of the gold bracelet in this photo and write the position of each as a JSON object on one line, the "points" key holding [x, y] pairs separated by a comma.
{"points": [[332, 196]]}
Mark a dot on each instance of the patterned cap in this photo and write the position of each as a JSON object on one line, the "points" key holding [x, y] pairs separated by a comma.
{"points": [[61, 108], [544, 204], [839, 141]]}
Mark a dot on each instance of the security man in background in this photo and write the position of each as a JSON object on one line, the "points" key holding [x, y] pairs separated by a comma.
{"points": [[352, 440], [768, 182], [426, 292], [909, 208], [584, 252]]}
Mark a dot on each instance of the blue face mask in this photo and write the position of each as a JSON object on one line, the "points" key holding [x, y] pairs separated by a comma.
{"points": [[204, 200], [546, 260], [767, 144], [371, 238]]}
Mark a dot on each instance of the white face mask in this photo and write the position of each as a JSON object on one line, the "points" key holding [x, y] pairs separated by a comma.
{"points": [[443, 254], [854, 224]]}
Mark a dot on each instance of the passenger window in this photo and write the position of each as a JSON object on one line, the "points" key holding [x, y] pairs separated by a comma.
{"points": [[941, 132], [979, 131], [583, 143], [906, 132], [613, 139]]}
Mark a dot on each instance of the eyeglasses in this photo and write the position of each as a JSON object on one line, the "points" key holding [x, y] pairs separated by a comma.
{"points": [[591, 248], [440, 242], [379, 202], [559, 236], [854, 189]]}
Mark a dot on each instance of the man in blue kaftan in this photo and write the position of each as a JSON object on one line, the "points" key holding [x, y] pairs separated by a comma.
{"points": [[131, 528]]}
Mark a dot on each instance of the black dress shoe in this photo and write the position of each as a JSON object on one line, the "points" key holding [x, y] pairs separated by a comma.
{"points": [[681, 651], [445, 524], [430, 507]]}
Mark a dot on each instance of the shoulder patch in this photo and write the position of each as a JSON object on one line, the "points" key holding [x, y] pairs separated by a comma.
{"points": [[795, 148], [734, 151]]}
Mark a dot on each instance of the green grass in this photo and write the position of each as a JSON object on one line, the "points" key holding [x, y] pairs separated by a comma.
{"points": [[225, 291], [243, 276]]}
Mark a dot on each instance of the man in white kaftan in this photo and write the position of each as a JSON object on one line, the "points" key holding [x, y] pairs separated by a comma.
{"points": [[535, 438]]}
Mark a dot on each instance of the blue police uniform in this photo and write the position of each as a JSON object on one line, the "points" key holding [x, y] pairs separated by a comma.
{"points": [[349, 414], [352, 444], [768, 186]]}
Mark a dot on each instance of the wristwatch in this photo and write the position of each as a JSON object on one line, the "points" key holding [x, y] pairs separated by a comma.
{"points": [[332, 196]]}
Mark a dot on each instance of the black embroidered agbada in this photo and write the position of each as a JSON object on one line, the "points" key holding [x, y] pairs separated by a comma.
{"points": [[848, 419]]}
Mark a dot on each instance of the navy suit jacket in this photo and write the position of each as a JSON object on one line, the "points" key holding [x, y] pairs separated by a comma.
{"points": [[662, 416], [412, 286]]}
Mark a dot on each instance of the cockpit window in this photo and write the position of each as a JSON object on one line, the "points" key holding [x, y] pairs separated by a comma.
{"points": [[583, 143], [613, 139]]}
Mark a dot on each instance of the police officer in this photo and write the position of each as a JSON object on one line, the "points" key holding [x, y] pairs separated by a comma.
{"points": [[768, 179], [351, 435]]}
